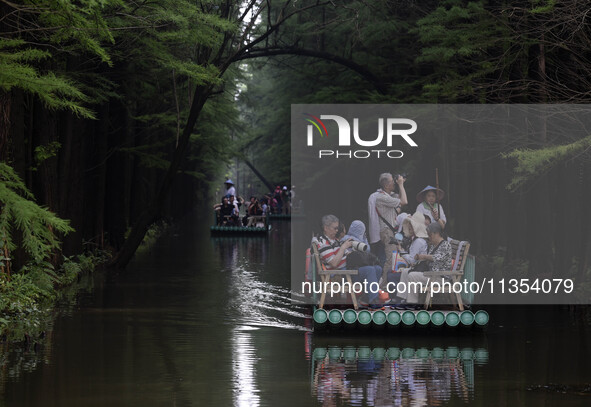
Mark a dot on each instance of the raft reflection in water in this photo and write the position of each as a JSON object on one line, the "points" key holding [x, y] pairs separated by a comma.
{"points": [[394, 376]]}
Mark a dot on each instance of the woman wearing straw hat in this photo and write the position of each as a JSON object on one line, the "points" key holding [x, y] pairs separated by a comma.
{"points": [[414, 228], [429, 204]]}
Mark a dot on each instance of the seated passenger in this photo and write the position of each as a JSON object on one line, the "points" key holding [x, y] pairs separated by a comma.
{"points": [[248, 210], [333, 253], [413, 228], [414, 243], [253, 211], [264, 206], [438, 258], [225, 213], [235, 203], [428, 204], [357, 233]]}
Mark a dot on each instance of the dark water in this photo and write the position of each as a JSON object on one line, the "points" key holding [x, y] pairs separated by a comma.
{"points": [[208, 321]]}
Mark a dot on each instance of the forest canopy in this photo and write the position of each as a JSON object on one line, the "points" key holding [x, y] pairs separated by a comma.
{"points": [[118, 114]]}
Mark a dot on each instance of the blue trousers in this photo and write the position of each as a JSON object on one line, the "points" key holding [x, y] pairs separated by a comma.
{"points": [[377, 248], [371, 274]]}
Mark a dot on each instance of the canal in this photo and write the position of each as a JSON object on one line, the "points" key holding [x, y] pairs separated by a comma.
{"points": [[200, 320]]}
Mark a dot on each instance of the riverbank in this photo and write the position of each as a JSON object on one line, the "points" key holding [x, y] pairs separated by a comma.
{"points": [[28, 300]]}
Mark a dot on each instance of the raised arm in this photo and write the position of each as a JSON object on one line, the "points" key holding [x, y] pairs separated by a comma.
{"points": [[403, 198]]}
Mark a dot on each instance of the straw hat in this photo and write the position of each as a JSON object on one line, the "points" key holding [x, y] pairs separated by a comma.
{"points": [[417, 220], [400, 218], [421, 195], [229, 181]]}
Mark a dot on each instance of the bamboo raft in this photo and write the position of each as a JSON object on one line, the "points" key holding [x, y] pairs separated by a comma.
{"points": [[220, 229], [389, 318], [284, 216]]}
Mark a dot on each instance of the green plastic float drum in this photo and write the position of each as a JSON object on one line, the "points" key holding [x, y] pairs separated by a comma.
{"points": [[393, 318], [349, 317], [452, 319], [364, 317], [437, 318], [467, 318], [408, 318], [423, 318], [481, 318], [320, 316], [379, 318], [335, 317]]}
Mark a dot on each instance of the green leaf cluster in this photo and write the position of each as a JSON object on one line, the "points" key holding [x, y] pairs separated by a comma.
{"points": [[25, 224], [533, 163]]}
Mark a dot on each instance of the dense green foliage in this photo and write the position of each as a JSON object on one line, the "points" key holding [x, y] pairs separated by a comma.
{"points": [[29, 245], [184, 91], [453, 51]]}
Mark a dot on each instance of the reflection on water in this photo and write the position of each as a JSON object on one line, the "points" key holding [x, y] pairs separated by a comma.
{"points": [[394, 376], [246, 393], [255, 299], [208, 321]]}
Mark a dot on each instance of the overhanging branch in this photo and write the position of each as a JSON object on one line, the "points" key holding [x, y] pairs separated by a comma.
{"points": [[361, 70]]}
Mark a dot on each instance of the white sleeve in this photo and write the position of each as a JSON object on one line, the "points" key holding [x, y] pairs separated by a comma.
{"points": [[442, 214]]}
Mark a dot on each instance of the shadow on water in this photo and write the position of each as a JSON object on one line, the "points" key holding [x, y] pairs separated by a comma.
{"points": [[202, 320]]}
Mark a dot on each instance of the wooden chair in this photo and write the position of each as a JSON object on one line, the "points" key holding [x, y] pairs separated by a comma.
{"points": [[256, 219], [459, 253], [326, 275]]}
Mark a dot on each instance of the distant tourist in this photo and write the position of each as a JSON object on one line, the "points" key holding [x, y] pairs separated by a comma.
{"points": [[226, 213], [428, 205], [230, 190], [285, 200], [277, 200]]}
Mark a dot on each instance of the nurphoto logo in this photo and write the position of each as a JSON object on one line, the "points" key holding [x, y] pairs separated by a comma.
{"points": [[391, 128]]}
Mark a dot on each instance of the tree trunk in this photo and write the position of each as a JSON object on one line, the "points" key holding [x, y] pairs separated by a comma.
{"points": [[151, 214], [5, 102]]}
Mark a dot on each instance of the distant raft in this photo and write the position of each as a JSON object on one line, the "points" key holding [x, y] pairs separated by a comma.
{"points": [[261, 226], [286, 216], [239, 229]]}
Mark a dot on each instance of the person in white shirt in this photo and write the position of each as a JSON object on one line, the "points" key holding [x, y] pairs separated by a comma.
{"points": [[230, 190], [383, 208]]}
